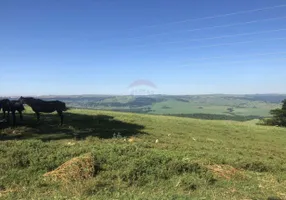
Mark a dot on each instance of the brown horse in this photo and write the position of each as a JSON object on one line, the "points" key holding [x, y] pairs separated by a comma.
{"points": [[41, 106]]}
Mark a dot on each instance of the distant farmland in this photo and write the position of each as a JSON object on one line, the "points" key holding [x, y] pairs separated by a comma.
{"points": [[233, 107]]}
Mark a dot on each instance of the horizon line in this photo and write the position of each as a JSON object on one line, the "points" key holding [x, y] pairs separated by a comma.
{"points": [[55, 95]]}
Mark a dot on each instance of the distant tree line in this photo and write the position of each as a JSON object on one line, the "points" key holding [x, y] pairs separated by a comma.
{"points": [[182, 100], [264, 97], [137, 102], [218, 117]]}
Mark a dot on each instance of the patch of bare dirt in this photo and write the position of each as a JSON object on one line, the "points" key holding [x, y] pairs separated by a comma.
{"points": [[225, 171]]}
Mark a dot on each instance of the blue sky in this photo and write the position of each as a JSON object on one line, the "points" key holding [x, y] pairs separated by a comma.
{"points": [[102, 46]]}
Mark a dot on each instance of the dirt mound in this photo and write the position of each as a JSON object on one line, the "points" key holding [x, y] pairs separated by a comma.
{"points": [[4, 192], [78, 168], [225, 171]]}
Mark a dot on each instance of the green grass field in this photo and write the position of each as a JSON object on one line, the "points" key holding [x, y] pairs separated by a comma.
{"points": [[192, 159], [214, 105], [175, 107]]}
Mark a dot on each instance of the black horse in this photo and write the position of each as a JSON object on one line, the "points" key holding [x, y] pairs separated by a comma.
{"points": [[41, 106], [11, 106]]}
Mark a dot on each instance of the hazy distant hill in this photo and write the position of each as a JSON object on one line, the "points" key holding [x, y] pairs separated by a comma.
{"points": [[217, 106]]}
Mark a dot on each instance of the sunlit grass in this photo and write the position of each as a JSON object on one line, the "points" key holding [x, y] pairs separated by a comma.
{"points": [[167, 157]]}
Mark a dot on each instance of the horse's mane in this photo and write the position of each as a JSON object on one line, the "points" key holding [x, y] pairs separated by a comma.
{"points": [[2, 100], [35, 100], [32, 98]]}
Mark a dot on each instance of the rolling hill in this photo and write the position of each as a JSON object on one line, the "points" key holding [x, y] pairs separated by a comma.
{"points": [[216, 107]]}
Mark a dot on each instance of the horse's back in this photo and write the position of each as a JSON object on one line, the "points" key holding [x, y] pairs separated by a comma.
{"points": [[49, 106]]}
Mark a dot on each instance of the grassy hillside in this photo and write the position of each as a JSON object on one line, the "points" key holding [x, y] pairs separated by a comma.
{"points": [[138, 156]]}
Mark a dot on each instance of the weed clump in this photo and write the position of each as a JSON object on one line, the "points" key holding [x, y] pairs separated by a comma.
{"points": [[256, 166]]}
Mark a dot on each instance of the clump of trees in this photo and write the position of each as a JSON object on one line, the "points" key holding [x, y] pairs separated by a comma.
{"points": [[278, 116]]}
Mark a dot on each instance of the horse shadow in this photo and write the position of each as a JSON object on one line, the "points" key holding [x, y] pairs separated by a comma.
{"points": [[76, 126]]}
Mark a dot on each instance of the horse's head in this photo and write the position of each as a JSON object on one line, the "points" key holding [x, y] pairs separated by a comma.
{"points": [[21, 100], [26, 100]]}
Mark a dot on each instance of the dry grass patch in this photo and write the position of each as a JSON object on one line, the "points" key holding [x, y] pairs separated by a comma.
{"points": [[78, 168], [4, 192], [226, 171], [270, 183]]}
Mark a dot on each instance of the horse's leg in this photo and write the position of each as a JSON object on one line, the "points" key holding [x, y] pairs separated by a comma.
{"points": [[4, 114], [14, 117], [8, 116], [60, 113], [38, 116], [21, 115]]}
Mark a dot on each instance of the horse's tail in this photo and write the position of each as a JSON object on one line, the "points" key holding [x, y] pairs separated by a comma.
{"points": [[67, 108]]}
